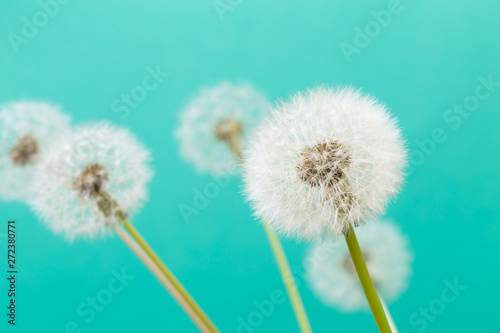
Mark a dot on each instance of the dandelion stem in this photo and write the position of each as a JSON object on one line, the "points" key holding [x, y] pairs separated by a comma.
{"points": [[127, 239], [366, 282], [280, 257], [181, 294], [288, 281], [388, 315]]}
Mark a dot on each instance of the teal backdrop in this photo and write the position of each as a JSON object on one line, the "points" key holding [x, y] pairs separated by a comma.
{"points": [[424, 59]]}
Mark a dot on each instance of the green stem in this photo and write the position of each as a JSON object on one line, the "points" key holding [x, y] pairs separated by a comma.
{"points": [[281, 260], [132, 244], [388, 315], [170, 276], [366, 282], [289, 281]]}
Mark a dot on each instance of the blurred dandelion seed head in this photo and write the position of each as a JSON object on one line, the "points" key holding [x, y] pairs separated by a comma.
{"points": [[24, 151], [388, 257], [93, 177], [27, 131], [215, 124]]}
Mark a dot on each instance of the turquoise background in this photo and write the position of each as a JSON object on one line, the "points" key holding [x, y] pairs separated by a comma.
{"points": [[428, 58]]}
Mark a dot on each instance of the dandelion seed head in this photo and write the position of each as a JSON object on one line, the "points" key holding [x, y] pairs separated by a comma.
{"points": [[323, 161], [215, 124], [27, 131], [332, 275], [91, 179]]}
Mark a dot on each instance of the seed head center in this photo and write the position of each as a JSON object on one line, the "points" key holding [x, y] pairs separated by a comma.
{"points": [[25, 150], [323, 164], [348, 264], [91, 180], [228, 129]]}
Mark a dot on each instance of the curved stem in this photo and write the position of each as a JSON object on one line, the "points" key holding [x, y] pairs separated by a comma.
{"points": [[127, 239], [288, 281], [182, 292], [366, 282]]}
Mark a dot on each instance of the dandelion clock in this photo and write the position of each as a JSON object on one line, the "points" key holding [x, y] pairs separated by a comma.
{"points": [[332, 275], [324, 161], [215, 122], [27, 131], [90, 183], [90, 179]]}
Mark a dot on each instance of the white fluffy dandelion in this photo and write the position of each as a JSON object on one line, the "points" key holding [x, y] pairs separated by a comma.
{"points": [[27, 130], [324, 160], [91, 179], [332, 275], [89, 183], [215, 122]]}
